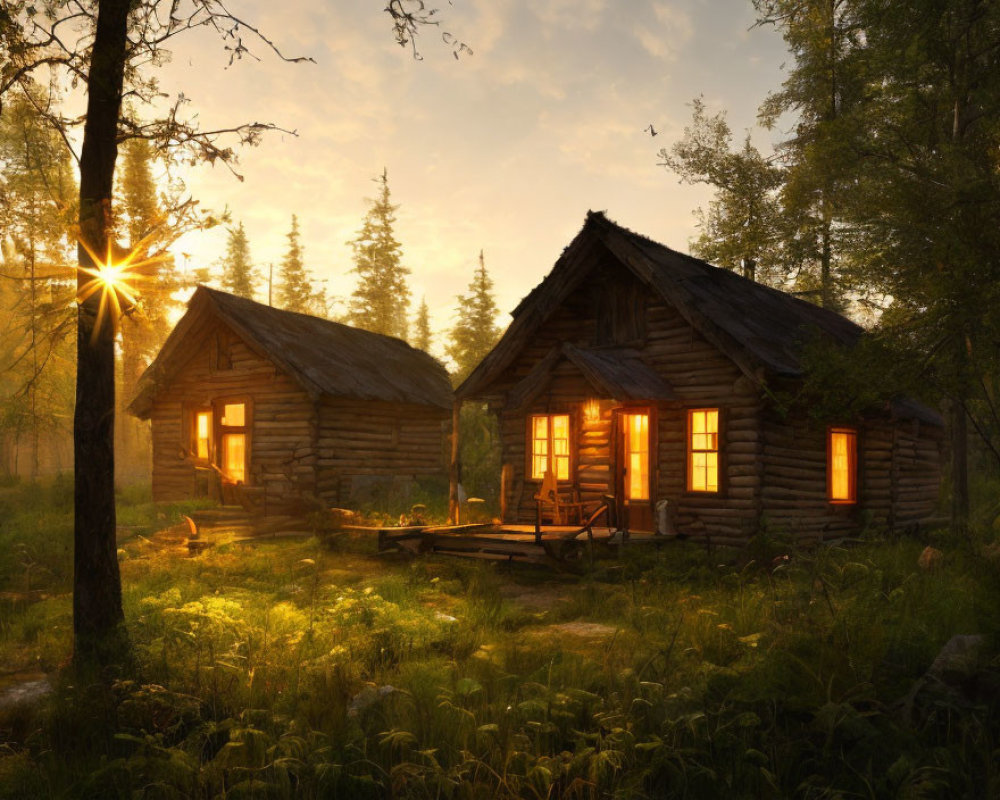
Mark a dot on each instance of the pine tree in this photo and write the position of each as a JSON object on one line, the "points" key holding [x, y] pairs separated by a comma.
{"points": [[476, 330], [422, 327], [295, 293], [143, 331], [239, 276], [36, 209], [381, 299]]}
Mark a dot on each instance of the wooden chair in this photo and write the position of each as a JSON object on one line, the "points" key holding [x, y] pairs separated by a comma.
{"points": [[566, 507]]}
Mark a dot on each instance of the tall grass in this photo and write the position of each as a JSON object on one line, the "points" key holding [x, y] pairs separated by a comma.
{"points": [[293, 670]]}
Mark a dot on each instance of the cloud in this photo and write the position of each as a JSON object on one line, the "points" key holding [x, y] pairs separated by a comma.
{"points": [[563, 15], [666, 34]]}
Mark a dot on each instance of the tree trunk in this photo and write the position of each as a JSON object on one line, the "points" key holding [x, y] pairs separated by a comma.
{"points": [[98, 618]]}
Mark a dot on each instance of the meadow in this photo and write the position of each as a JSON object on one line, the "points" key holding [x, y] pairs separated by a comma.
{"points": [[317, 668]]}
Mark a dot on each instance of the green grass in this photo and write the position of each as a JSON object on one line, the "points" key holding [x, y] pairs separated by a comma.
{"points": [[300, 670]]}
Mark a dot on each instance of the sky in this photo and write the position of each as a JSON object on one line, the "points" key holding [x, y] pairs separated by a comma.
{"points": [[504, 150]]}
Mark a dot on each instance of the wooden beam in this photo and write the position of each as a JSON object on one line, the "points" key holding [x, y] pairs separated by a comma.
{"points": [[453, 512]]}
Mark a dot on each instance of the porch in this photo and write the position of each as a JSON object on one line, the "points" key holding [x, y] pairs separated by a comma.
{"points": [[549, 545]]}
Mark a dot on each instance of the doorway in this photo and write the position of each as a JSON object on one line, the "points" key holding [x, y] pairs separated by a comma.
{"points": [[635, 466]]}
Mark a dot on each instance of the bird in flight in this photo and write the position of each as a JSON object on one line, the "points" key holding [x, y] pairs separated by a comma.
{"points": [[650, 130]]}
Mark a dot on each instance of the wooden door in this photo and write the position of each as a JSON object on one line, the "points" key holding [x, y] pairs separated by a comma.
{"points": [[635, 466]]}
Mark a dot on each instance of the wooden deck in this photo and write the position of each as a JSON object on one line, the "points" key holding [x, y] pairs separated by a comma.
{"points": [[556, 544]]}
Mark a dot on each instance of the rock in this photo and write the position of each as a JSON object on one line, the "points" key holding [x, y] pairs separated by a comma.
{"points": [[957, 677], [930, 559], [958, 660]]}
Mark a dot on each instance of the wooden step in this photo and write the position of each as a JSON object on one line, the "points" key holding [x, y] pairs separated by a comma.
{"points": [[485, 556]]}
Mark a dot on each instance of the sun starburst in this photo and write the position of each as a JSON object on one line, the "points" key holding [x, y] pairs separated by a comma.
{"points": [[117, 281]]}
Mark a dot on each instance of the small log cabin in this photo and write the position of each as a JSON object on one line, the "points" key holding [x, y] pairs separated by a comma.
{"points": [[286, 406], [639, 375]]}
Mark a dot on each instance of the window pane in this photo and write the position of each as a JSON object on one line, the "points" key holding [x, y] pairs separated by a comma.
{"points": [[562, 468], [697, 422], [234, 415], [703, 451], [560, 427], [698, 482], [541, 427], [841, 444], [203, 427], [234, 457]]}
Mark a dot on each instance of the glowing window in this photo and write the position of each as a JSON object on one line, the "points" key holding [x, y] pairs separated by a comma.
{"points": [[550, 445], [234, 451], [234, 415], [841, 466], [636, 456], [203, 434], [703, 450]]}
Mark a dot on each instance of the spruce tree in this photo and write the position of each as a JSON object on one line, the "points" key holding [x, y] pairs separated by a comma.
{"points": [[476, 330], [422, 327], [239, 276], [295, 292], [145, 329], [381, 299]]}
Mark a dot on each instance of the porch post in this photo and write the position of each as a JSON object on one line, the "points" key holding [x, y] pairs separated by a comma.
{"points": [[453, 512]]}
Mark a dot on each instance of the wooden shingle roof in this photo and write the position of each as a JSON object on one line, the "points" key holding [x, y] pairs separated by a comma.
{"points": [[762, 330], [326, 358]]}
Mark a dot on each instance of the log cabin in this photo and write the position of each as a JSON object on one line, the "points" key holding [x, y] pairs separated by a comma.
{"points": [[650, 379], [275, 408]]}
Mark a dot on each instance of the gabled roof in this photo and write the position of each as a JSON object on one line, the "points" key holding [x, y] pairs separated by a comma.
{"points": [[757, 327], [326, 358], [619, 372], [615, 372]]}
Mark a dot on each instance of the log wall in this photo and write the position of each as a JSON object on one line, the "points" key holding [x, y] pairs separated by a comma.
{"points": [[918, 453], [282, 419], [700, 375], [772, 467], [361, 441]]}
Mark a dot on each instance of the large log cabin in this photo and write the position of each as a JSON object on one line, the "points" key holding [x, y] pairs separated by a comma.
{"points": [[636, 374], [273, 407]]}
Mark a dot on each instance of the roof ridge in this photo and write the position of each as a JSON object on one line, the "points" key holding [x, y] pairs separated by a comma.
{"points": [[230, 297], [601, 218]]}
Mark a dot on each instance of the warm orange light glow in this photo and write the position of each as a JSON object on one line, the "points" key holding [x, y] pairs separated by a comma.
{"points": [[550, 438], [234, 456], [592, 410], [703, 450], [203, 433], [637, 456], [234, 415], [842, 465]]}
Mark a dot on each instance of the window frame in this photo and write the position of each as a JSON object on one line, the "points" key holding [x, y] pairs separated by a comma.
{"points": [[530, 440], [218, 407], [852, 465], [689, 452]]}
